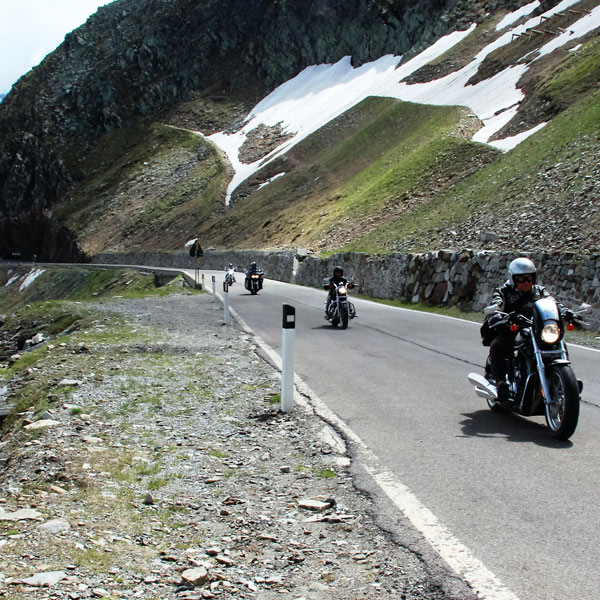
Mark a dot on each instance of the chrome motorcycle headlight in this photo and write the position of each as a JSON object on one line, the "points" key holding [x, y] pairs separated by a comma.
{"points": [[342, 291], [550, 333]]}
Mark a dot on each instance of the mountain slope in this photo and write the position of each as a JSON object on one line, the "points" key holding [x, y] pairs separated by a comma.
{"points": [[347, 179], [99, 150]]}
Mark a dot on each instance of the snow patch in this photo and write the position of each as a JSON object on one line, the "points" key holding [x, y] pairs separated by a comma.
{"points": [[262, 185], [578, 29], [30, 278], [516, 15], [12, 280], [509, 143], [320, 93]]}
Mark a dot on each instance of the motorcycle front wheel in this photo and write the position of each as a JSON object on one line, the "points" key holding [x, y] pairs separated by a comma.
{"points": [[344, 315], [562, 413]]}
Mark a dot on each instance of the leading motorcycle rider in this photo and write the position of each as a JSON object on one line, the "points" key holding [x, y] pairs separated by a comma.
{"points": [[338, 277], [517, 294], [253, 268]]}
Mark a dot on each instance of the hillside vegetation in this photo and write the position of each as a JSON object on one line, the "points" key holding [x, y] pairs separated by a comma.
{"points": [[385, 176], [143, 187]]}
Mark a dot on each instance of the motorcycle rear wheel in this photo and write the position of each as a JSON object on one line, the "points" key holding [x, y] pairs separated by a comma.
{"points": [[562, 414]]}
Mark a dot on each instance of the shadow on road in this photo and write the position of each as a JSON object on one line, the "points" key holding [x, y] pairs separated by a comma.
{"points": [[485, 423]]}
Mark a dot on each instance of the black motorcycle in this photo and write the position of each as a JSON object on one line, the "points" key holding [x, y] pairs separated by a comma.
{"points": [[254, 282], [540, 378], [340, 309]]}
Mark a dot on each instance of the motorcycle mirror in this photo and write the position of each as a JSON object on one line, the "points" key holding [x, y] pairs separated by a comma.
{"points": [[490, 310], [585, 308]]}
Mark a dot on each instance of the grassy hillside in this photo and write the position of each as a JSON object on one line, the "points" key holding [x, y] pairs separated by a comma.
{"points": [[544, 189], [385, 176], [381, 158], [146, 187]]}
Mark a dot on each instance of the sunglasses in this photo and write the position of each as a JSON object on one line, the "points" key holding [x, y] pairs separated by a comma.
{"points": [[524, 278]]}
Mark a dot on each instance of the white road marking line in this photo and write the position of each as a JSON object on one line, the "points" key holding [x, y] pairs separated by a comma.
{"points": [[456, 555]]}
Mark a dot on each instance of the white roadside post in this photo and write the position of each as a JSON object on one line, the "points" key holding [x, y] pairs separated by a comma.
{"points": [[214, 285], [287, 358], [226, 302]]}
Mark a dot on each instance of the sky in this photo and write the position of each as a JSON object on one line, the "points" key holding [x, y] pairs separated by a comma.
{"points": [[30, 29]]}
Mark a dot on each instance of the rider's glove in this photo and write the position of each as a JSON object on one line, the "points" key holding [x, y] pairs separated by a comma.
{"points": [[491, 309], [495, 320], [568, 315]]}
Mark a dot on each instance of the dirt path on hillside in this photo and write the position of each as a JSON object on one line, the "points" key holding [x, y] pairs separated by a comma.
{"points": [[162, 468]]}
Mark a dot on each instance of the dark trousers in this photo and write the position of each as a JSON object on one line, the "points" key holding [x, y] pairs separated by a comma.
{"points": [[328, 303], [501, 349]]}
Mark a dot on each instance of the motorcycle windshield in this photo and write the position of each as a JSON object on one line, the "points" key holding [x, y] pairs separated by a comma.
{"points": [[547, 309]]}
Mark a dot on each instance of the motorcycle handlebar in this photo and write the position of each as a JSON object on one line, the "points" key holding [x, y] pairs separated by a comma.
{"points": [[503, 318]]}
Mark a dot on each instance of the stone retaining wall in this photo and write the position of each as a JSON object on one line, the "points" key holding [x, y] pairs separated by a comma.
{"points": [[465, 278]]}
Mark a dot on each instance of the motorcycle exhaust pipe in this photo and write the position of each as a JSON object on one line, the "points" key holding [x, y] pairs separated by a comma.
{"points": [[483, 388]]}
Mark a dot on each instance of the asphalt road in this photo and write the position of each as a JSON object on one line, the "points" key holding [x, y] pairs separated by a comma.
{"points": [[523, 504]]}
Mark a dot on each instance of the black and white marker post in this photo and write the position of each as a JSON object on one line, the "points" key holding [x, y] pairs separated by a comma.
{"points": [[226, 302], [203, 285], [287, 358], [214, 287]]}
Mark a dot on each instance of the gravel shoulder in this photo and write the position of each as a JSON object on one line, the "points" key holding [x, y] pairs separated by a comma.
{"points": [[163, 468]]}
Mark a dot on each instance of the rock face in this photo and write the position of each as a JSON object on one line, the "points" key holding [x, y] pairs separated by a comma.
{"points": [[136, 59]]}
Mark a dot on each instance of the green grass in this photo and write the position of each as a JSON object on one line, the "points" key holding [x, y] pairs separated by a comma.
{"points": [[448, 311], [157, 482], [362, 164], [218, 454], [126, 190], [326, 473], [575, 77], [79, 284], [494, 187]]}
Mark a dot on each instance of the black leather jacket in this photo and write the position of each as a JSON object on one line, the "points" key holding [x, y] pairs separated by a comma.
{"points": [[333, 281], [509, 299]]}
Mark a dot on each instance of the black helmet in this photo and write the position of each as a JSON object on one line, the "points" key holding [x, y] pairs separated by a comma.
{"points": [[338, 270], [252, 264], [521, 266]]}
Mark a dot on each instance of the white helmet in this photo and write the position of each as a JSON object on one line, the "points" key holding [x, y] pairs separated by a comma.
{"points": [[521, 266]]}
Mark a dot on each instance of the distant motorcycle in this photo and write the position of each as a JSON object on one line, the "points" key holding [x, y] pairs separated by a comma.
{"points": [[254, 282], [540, 377], [229, 276], [340, 310]]}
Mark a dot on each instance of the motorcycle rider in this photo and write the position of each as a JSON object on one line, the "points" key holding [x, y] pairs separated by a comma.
{"points": [[252, 269], [230, 270], [517, 294], [334, 281]]}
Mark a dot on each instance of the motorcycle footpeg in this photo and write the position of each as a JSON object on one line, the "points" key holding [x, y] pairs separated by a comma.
{"points": [[483, 388]]}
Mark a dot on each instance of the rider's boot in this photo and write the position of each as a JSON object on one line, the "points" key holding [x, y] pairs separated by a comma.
{"points": [[503, 390]]}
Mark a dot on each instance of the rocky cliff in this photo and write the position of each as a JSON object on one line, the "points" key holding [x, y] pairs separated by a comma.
{"points": [[139, 59]]}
